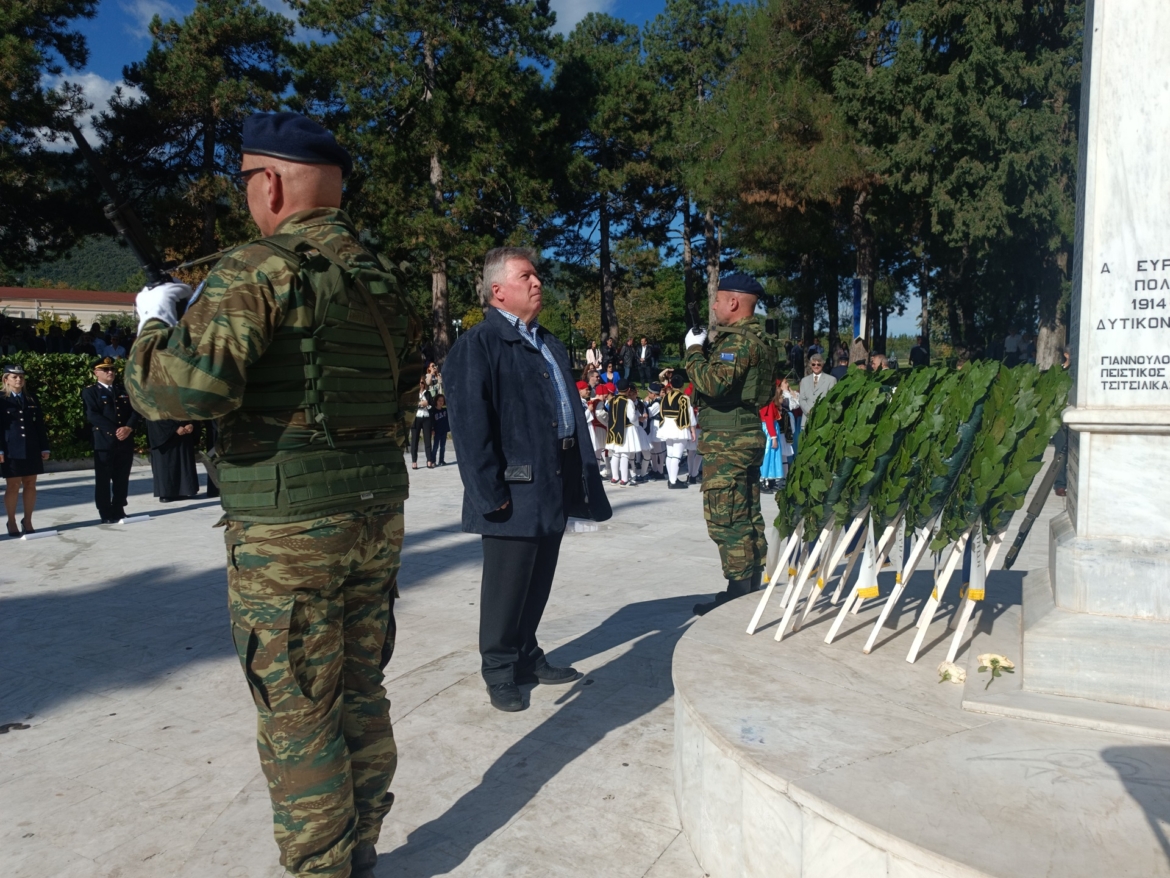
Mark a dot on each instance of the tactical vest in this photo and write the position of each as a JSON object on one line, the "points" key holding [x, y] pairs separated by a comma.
{"points": [[743, 414], [674, 406], [333, 372]]}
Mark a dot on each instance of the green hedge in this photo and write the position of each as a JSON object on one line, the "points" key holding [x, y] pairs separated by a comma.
{"points": [[57, 381]]}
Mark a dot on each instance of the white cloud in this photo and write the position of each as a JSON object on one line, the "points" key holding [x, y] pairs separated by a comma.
{"points": [[143, 11], [569, 12], [97, 91]]}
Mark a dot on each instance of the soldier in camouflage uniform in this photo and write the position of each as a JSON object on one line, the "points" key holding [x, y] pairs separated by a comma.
{"points": [[733, 377], [304, 350]]}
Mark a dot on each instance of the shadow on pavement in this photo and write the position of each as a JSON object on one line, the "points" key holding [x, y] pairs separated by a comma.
{"points": [[125, 632], [653, 628], [1145, 771]]}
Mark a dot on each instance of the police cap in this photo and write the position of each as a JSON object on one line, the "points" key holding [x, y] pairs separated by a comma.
{"points": [[13, 370], [105, 363], [294, 138]]}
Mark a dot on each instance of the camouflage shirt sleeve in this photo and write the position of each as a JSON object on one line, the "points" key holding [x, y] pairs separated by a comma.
{"points": [[198, 369], [721, 371]]}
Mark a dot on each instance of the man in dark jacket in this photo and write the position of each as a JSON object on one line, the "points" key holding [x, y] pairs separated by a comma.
{"points": [[609, 355], [629, 360], [527, 464], [108, 411]]}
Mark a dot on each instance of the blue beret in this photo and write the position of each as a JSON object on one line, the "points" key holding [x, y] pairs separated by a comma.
{"points": [[294, 138], [741, 283]]}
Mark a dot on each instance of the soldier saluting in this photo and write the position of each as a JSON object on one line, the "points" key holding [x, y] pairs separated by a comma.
{"points": [[304, 349], [733, 379]]}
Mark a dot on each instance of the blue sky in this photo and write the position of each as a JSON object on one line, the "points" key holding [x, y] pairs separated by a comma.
{"points": [[118, 34]]}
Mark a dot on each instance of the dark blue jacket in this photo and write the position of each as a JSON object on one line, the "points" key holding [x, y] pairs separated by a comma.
{"points": [[22, 427], [106, 411], [503, 405]]}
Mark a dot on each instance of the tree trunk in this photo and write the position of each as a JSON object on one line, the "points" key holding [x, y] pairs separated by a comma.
{"points": [[711, 252], [1051, 334], [924, 294], [207, 242], [690, 297], [953, 324], [440, 319], [609, 321], [833, 301], [863, 242]]}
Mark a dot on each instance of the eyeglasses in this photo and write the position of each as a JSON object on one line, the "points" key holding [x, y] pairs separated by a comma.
{"points": [[241, 178]]}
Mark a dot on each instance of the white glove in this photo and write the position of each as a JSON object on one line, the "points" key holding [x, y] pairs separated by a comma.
{"points": [[159, 303], [694, 337]]}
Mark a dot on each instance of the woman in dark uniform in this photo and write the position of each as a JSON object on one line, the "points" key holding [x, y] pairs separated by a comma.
{"points": [[24, 447]]}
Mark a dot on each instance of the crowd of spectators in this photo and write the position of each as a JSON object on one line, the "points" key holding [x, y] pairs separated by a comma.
{"points": [[112, 340]]}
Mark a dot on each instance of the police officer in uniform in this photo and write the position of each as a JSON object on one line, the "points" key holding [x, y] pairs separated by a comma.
{"points": [[304, 348], [24, 447], [733, 376], [112, 419]]}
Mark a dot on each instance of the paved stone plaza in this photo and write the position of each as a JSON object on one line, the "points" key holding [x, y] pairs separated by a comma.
{"points": [[140, 759]]}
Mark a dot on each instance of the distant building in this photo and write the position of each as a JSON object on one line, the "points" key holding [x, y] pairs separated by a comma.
{"points": [[29, 303]]}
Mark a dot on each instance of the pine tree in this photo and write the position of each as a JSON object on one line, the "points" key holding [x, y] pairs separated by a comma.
{"points": [[40, 191], [971, 122], [199, 80], [442, 103], [689, 47], [612, 185]]}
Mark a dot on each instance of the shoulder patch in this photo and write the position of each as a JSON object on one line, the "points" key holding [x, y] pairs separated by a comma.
{"points": [[727, 357]]}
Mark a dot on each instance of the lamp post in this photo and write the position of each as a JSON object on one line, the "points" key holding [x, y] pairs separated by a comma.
{"points": [[457, 324]]}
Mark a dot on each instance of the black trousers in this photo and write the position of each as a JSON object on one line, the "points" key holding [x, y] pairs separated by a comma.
{"points": [[111, 471], [517, 578], [421, 425], [439, 448]]}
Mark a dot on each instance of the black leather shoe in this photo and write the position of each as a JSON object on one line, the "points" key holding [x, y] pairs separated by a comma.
{"points": [[548, 675], [505, 696], [363, 860]]}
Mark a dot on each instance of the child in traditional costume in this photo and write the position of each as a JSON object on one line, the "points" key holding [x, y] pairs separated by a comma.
{"points": [[676, 429], [626, 437]]}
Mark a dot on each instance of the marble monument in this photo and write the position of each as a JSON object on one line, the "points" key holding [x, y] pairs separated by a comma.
{"points": [[1104, 631]]}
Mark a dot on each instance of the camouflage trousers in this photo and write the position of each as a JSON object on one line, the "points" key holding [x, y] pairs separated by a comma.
{"points": [[312, 611], [731, 499]]}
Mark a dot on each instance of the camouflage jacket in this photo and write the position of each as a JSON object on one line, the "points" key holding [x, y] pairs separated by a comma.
{"points": [[733, 372], [198, 369]]}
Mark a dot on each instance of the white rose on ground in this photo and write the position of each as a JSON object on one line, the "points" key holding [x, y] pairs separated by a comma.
{"points": [[949, 672]]}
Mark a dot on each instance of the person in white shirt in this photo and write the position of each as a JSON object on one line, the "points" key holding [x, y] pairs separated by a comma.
{"points": [[593, 356], [626, 437], [676, 429], [656, 460], [599, 426], [596, 430], [694, 459]]}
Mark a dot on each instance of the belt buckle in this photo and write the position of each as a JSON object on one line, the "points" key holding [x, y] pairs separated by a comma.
{"points": [[568, 443]]}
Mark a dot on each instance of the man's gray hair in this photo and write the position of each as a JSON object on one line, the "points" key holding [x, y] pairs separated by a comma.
{"points": [[495, 264]]}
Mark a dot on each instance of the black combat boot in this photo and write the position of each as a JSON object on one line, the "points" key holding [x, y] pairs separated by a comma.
{"points": [[735, 588], [363, 860], [757, 580]]}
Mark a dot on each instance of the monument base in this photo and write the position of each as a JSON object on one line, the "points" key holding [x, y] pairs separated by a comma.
{"points": [[1107, 658], [801, 759]]}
